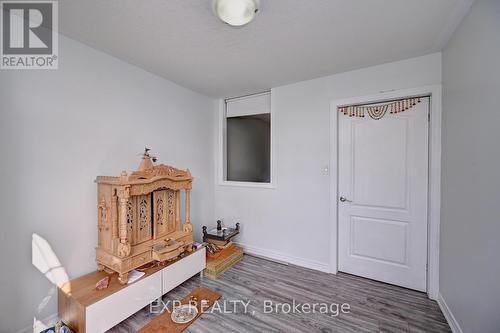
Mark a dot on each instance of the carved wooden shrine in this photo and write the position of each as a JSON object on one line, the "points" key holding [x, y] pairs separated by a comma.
{"points": [[139, 217]]}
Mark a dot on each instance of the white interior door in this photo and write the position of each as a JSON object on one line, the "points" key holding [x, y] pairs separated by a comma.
{"points": [[383, 179]]}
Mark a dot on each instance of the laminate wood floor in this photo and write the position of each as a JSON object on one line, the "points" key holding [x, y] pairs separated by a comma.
{"points": [[374, 306]]}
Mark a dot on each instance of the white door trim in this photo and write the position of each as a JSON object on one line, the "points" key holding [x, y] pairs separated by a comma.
{"points": [[434, 198]]}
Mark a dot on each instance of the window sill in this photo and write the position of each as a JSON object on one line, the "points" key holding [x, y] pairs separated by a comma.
{"points": [[247, 184]]}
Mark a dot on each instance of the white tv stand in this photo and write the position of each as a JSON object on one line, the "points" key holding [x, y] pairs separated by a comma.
{"points": [[85, 309]]}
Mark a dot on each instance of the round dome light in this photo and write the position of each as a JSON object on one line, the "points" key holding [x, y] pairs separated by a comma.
{"points": [[236, 12]]}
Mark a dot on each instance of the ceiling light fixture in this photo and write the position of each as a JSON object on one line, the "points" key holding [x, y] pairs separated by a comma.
{"points": [[236, 12]]}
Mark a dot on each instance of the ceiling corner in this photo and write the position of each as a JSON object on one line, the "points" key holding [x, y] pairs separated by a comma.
{"points": [[454, 20]]}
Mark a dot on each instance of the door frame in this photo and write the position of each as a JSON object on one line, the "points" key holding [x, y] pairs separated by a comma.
{"points": [[434, 188]]}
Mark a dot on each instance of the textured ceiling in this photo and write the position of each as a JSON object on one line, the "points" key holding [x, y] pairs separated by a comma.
{"points": [[289, 41]]}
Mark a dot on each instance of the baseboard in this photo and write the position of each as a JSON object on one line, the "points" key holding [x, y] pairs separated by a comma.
{"points": [[452, 321], [40, 325], [284, 258]]}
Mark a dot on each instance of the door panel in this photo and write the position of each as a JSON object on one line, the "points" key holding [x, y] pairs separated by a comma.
{"points": [[377, 182], [143, 213], [383, 174], [377, 239], [165, 209]]}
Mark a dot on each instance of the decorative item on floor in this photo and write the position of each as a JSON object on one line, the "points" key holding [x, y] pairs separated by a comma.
{"points": [[139, 217], [378, 111], [214, 251], [59, 327], [102, 283], [224, 261], [220, 235], [184, 313], [165, 322], [222, 254]]}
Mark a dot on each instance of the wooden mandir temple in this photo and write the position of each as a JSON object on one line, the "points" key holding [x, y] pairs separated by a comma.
{"points": [[139, 217]]}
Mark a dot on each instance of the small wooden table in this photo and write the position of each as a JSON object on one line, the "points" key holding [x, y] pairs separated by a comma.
{"points": [[86, 309]]}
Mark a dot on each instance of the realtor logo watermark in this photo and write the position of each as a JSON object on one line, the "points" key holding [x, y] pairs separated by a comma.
{"points": [[29, 38], [243, 306]]}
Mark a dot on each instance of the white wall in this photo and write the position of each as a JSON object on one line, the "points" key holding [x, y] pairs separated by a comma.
{"points": [[55, 138], [470, 222], [291, 222], [58, 130]]}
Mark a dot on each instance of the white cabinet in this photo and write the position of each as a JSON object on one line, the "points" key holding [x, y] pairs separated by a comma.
{"points": [[180, 271], [88, 310], [109, 311]]}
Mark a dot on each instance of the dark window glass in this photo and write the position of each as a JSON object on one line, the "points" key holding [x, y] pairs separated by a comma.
{"points": [[248, 148]]}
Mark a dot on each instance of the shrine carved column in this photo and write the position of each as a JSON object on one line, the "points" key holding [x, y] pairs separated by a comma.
{"points": [[114, 215], [124, 245], [188, 227]]}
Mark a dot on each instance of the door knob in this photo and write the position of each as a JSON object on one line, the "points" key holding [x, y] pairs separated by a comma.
{"points": [[343, 199]]}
